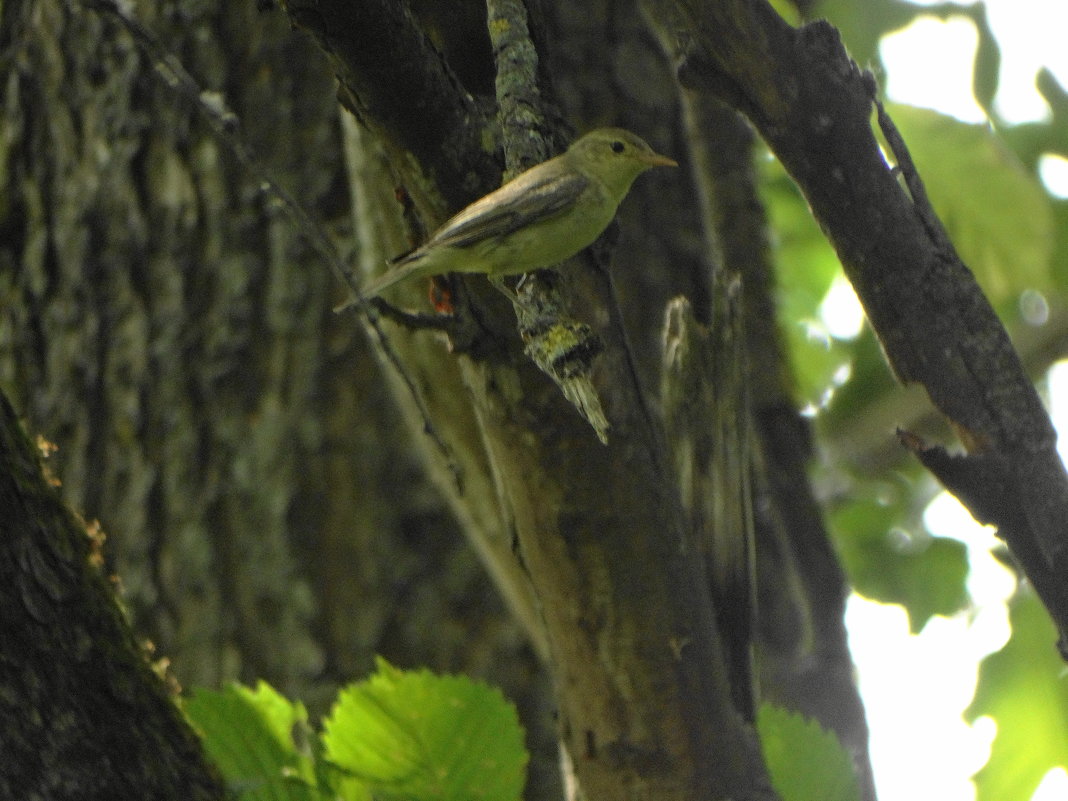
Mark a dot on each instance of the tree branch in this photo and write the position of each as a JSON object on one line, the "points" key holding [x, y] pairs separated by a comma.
{"points": [[645, 706], [813, 105], [396, 83]]}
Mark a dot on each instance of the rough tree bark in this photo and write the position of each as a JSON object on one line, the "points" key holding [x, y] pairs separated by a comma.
{"points": [[84, 714], [590, 525], [167, 326]]}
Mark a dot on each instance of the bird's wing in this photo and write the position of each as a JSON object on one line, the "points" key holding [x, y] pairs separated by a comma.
{"points": [[526, 200]]}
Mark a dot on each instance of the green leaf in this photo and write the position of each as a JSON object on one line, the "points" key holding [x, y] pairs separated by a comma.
{"points": [[416, 736], [987, 68], [806, 762], [863, 24], [787, 10], [249, 735], [806, 266], [996, 212], [807, 261], [1024, 687], [1060, 213], [870, 382], [886, 563]]}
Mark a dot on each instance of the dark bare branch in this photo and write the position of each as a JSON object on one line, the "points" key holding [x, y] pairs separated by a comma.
{"points": [[813, 106]]}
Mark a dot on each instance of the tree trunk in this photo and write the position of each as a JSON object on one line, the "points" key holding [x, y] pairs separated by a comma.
{"points": [[167, 327], [84, 715], [273, 514]]}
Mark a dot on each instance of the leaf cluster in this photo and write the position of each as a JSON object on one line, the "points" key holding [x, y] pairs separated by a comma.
{"points": [[418, 736], [397, 735]]}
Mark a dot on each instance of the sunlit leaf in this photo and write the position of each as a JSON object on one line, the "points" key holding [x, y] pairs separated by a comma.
{"points": [[863, 24], [249, 734], [806, 762], [417, 736], [787, 10], [888, 563], [995, 211], [1060, 211], [1024, 687]]}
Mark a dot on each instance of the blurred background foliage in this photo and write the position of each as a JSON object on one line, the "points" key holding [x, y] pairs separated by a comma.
{"points": [[1012, 230]]}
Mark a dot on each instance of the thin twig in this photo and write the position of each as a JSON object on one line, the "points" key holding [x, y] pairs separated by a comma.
{"points": [[912, 178]]}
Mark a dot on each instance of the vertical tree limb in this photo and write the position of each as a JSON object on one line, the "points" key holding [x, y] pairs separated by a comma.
{"points": [[83, 714], [645, 707]]}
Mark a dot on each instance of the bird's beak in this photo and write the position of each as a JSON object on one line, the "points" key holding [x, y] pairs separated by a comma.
{"points": [[656, 160]]}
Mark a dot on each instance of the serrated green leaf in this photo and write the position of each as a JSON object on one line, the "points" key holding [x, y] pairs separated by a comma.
{"points": [[416, 736], [806, 762], [995, 211], [1024, 687], [249, 735]]}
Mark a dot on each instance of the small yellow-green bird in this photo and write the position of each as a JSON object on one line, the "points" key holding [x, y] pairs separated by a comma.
{"points": [[541, 217]]}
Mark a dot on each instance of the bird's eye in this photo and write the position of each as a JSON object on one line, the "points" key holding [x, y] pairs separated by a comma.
{"points": [[618, 147]]}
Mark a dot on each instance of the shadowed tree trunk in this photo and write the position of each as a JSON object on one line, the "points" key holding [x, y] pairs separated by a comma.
{"points": [[166, 327], [84, 715], [287, 491]]}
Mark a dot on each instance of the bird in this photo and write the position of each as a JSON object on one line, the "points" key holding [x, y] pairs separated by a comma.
{"points": [[540, 218]]}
